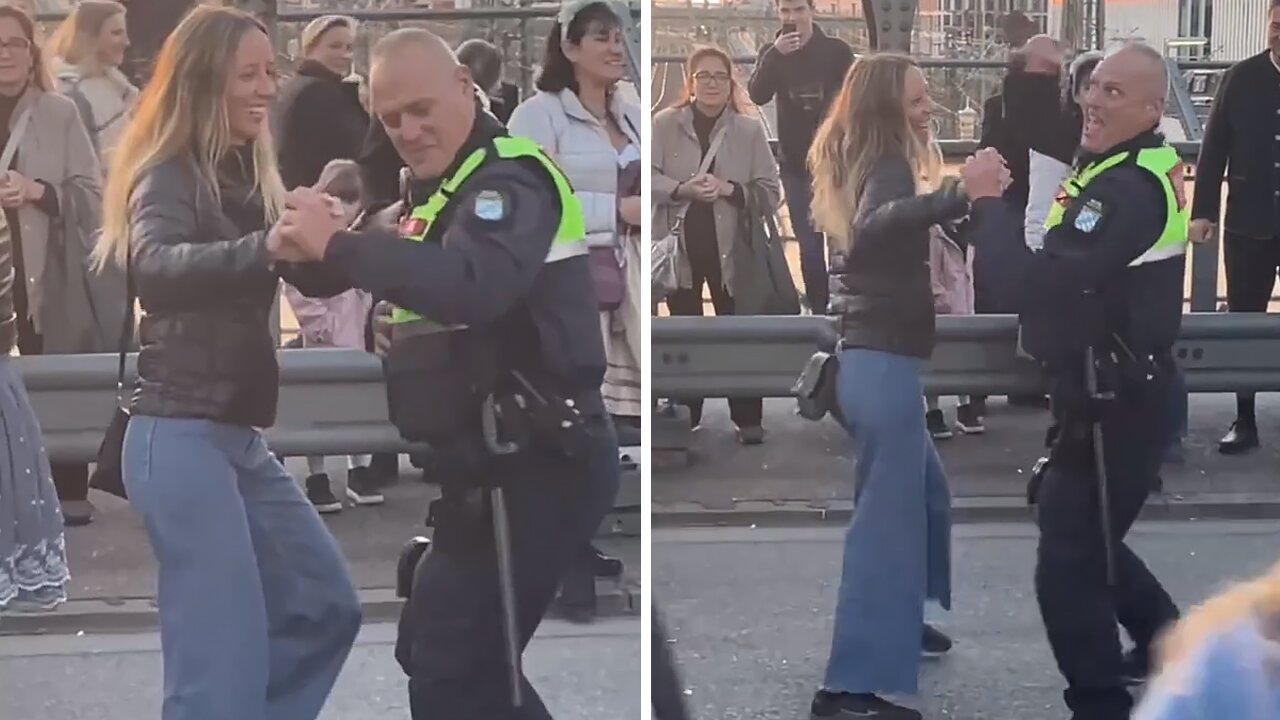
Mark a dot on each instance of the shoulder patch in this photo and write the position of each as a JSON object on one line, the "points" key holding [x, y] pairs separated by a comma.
{"points": [[1089, 216], [490, 205]]}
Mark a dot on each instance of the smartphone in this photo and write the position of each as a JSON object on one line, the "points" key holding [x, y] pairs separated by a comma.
{"points": [[788, 28]]}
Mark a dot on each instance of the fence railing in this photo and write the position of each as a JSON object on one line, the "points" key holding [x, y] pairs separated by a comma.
{"points": [[762, 356]]}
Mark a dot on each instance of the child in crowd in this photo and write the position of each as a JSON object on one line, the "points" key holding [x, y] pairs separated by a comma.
{"points": [[341, 321], [951, 273]]}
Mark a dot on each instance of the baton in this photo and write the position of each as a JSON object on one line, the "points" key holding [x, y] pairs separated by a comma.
{"points": [[1100, 466], [502, 546]]}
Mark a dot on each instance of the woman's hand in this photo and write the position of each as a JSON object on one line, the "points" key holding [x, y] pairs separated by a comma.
{"points": [[699, 188], [17, 190], [630, 208], [724, 188], [984, 175]]}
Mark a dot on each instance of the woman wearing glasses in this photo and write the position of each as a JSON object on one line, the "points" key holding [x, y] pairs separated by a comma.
{"points": [[713, 112], [51, 196]]}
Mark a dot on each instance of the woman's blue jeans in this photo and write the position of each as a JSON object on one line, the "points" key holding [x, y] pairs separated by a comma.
{"points": [[257, 609], [897, 550]]}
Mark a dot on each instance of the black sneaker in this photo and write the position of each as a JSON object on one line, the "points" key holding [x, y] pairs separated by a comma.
{"points": [[937, 425], [969, 421], [321, 494], [828, 704], [364, 487], [935, 642], [1241, 438]]}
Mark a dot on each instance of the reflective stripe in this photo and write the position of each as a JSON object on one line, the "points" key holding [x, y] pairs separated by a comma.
{"points": [[1157, 254], [1162, 162], [570, 238], [564, 251]]}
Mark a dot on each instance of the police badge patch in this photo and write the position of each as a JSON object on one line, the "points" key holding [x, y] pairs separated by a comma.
{"points": [[490, 206], [1089, 216]]}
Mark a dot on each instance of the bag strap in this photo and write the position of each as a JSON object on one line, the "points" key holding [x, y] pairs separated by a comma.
{"points": [[707, 159], [125, 327], [15, 139]]}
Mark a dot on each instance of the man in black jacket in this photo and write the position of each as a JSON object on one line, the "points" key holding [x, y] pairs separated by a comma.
{"points": [[1242, 141], [150, 22], [803, 70]]}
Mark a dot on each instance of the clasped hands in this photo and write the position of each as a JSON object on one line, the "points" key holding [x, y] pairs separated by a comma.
{"points": [[704, 188], [985, 174], [310, 220], [17, 190]]}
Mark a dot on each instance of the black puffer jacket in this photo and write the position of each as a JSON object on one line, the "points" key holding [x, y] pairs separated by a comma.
{"points": [[202, 275], [317, 118], [880, 287]]}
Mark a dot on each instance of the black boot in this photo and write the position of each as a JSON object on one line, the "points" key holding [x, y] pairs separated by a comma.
{"points": [[1241, 438]]}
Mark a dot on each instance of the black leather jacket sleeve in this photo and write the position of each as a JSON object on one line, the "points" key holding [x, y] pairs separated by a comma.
{"points": [[891, 209], [486, 261], [172, 264]]}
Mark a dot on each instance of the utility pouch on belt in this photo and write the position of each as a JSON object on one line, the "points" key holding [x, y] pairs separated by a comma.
{"points": [[437, 378], [552, 422]]}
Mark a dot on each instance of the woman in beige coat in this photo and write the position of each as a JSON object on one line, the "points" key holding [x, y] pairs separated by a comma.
{"points": [[52, 199], [682, 135]]}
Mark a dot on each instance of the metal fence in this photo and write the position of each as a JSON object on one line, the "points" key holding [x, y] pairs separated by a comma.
{"points": [[763, 356]]}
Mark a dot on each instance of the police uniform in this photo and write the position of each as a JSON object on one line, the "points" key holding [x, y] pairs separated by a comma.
{"points": [[1110, 278], [489, 275]]}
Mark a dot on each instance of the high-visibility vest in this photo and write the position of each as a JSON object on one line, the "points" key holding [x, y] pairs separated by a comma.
{"points": [[570, 239], [1167, 167]]}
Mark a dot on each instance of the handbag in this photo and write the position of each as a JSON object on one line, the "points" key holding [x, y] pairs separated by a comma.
{"points": [[108, 474], [762, 283], [669, 268]]}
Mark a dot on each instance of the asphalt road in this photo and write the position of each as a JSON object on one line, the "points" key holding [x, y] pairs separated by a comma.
{"points": [[582, 673], [749, 611]]}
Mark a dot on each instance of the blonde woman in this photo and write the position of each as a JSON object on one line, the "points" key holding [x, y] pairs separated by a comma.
{"points": [[713, 105], [257, 610], [89, 47], [871, 158], [1221, 660]]}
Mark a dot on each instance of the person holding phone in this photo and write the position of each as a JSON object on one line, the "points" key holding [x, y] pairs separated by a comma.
{"points": [[802, 70]]}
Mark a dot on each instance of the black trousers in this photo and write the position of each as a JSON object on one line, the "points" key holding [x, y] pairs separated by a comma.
{"points": [[1251, 266], [704, 260], [70, 479], [450, 641], [1079, 609]]}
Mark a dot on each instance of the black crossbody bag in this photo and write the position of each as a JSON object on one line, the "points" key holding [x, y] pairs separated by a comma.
{"points": [[108, 475]]}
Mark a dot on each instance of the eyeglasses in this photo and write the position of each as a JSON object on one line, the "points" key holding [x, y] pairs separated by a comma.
{"points": [[15, 46], [706, 78]]}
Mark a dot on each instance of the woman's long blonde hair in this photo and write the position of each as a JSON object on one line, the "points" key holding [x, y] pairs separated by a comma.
{"points": [[182, 113], [866, 121], [75, 41], [1258, 598]]}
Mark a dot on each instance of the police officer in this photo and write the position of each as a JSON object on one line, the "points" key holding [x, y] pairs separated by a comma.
{"points": [[488, 272], [1109, 282]]}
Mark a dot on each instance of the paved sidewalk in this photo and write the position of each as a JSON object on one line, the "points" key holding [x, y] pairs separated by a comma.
{"points": [[805, 466], [113, 570]]}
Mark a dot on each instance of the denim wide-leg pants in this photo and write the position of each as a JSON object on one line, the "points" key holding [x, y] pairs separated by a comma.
{"points": [[897, 550], [257, 609]]}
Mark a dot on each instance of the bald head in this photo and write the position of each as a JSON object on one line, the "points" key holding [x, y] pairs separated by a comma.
{"points": [[1125, 97], [422, 43], [1146, 66], [424, 97]]}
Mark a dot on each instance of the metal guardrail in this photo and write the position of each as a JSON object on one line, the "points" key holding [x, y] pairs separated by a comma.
{"points": [[403, 14], [957, 63], [763, 356]]}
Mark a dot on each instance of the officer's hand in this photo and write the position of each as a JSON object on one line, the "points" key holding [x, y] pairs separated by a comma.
{"points": [[281, 250], [309, 222], [1200, 231], [983, 175]]}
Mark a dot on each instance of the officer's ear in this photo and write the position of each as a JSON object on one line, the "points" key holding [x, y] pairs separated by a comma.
{"points": [[466, 79]]}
